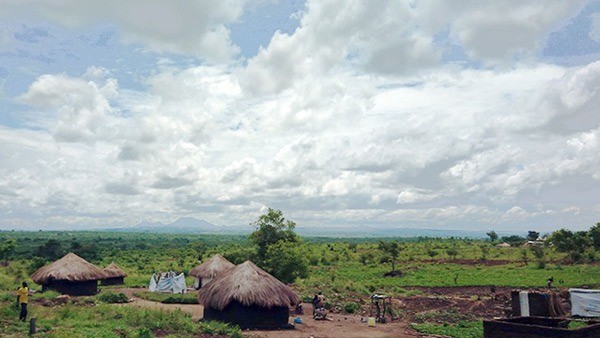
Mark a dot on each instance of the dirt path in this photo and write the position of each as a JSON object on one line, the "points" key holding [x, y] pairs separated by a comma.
{"points": [[196, 310], [346, 326]]}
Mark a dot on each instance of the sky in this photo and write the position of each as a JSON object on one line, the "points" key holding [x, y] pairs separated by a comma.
{"points": [[472, 115]]}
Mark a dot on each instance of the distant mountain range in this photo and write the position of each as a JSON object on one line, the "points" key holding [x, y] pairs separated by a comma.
{"points": [[183, 225], [191, 225]]}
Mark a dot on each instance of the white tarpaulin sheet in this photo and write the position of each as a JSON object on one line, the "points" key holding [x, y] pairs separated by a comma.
{"points": [[585, 303], [152, 286], [524, 303], [168, 282]]}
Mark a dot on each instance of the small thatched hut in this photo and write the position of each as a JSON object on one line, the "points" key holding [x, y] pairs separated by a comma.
{"points": [[249, 297], [114, 275], [210, 269], [71, 275]]}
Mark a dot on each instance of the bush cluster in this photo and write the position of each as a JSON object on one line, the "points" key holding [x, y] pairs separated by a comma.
{"points": [[111, 297]]}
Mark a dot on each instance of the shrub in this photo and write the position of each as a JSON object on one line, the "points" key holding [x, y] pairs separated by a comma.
{"points": [[111, 297], [144, 333], [167, 298], [180, 299], [351, 307]]}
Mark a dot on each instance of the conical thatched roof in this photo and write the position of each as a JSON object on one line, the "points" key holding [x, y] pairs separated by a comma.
{"points": [[70, 268], [113, 271], [212, 267], [249, 285]]}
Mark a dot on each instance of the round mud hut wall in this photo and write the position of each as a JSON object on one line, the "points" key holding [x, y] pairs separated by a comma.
{"points": [[87, 288], [113, 281], [250, 316]]}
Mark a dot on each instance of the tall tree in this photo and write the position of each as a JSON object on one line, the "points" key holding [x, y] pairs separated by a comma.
{"points": [[392, 249], [574, 244], [532, 235], [286, 262], [51, 250], [7, 247], [594, 234], [271, 228], [493, 236]]}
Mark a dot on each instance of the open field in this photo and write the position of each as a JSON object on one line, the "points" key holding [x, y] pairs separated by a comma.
{"points": [[445, 286]]}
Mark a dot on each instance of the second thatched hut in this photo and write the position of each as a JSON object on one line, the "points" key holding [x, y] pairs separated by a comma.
{"points": [[249, 297], [71, 275], [114, 275], [210, 269]]}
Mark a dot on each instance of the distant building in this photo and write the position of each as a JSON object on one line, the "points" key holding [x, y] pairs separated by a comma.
{"points": [[210, 269], [503, 245], [114, 275]]}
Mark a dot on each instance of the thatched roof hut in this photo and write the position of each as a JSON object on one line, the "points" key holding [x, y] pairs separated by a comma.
{"points": [[210, 269], [70, 275], [249, 297], [114, 275]]}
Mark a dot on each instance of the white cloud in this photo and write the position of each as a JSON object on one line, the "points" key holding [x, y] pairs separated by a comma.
{"points": [[414, 195], [352, 119], [395, 38], [82, 106], [496, 31], [515, 212], [378, 36], [188, 27]]}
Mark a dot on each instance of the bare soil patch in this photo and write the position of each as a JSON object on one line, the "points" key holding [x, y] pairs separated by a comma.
{"points": [[432, 304], [350, 326]]}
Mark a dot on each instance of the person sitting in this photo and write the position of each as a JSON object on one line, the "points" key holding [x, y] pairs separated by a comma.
{"points": [[319, 312]]}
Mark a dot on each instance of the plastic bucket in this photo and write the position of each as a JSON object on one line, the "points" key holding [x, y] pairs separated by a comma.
{"points": [[371, 321]]}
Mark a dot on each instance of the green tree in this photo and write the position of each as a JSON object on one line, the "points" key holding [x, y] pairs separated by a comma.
{"points": [[286, 262], [594, 234], [7, 248], [493, 236], [513, 240], [562, 240], [278, 247], [574, 244], [532, 235], [272, 228], [432, 253], [51, 250], [452, 252], [392, 249], [539, 254], [485, 250]]}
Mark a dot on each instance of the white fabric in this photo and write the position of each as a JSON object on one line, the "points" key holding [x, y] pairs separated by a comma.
{"points": [[585, 303], [171, 283], [152, 287], [179, 284], [524, 303]]}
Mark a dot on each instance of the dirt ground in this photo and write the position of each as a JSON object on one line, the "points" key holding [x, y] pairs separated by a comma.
{"points": [[339, 325], [434, 304]]}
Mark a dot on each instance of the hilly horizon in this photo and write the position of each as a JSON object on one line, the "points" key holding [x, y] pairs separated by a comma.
{"points": [[192, 225]]}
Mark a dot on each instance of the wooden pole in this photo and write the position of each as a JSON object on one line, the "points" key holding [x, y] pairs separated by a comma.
{"points": [[32, 326]]}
